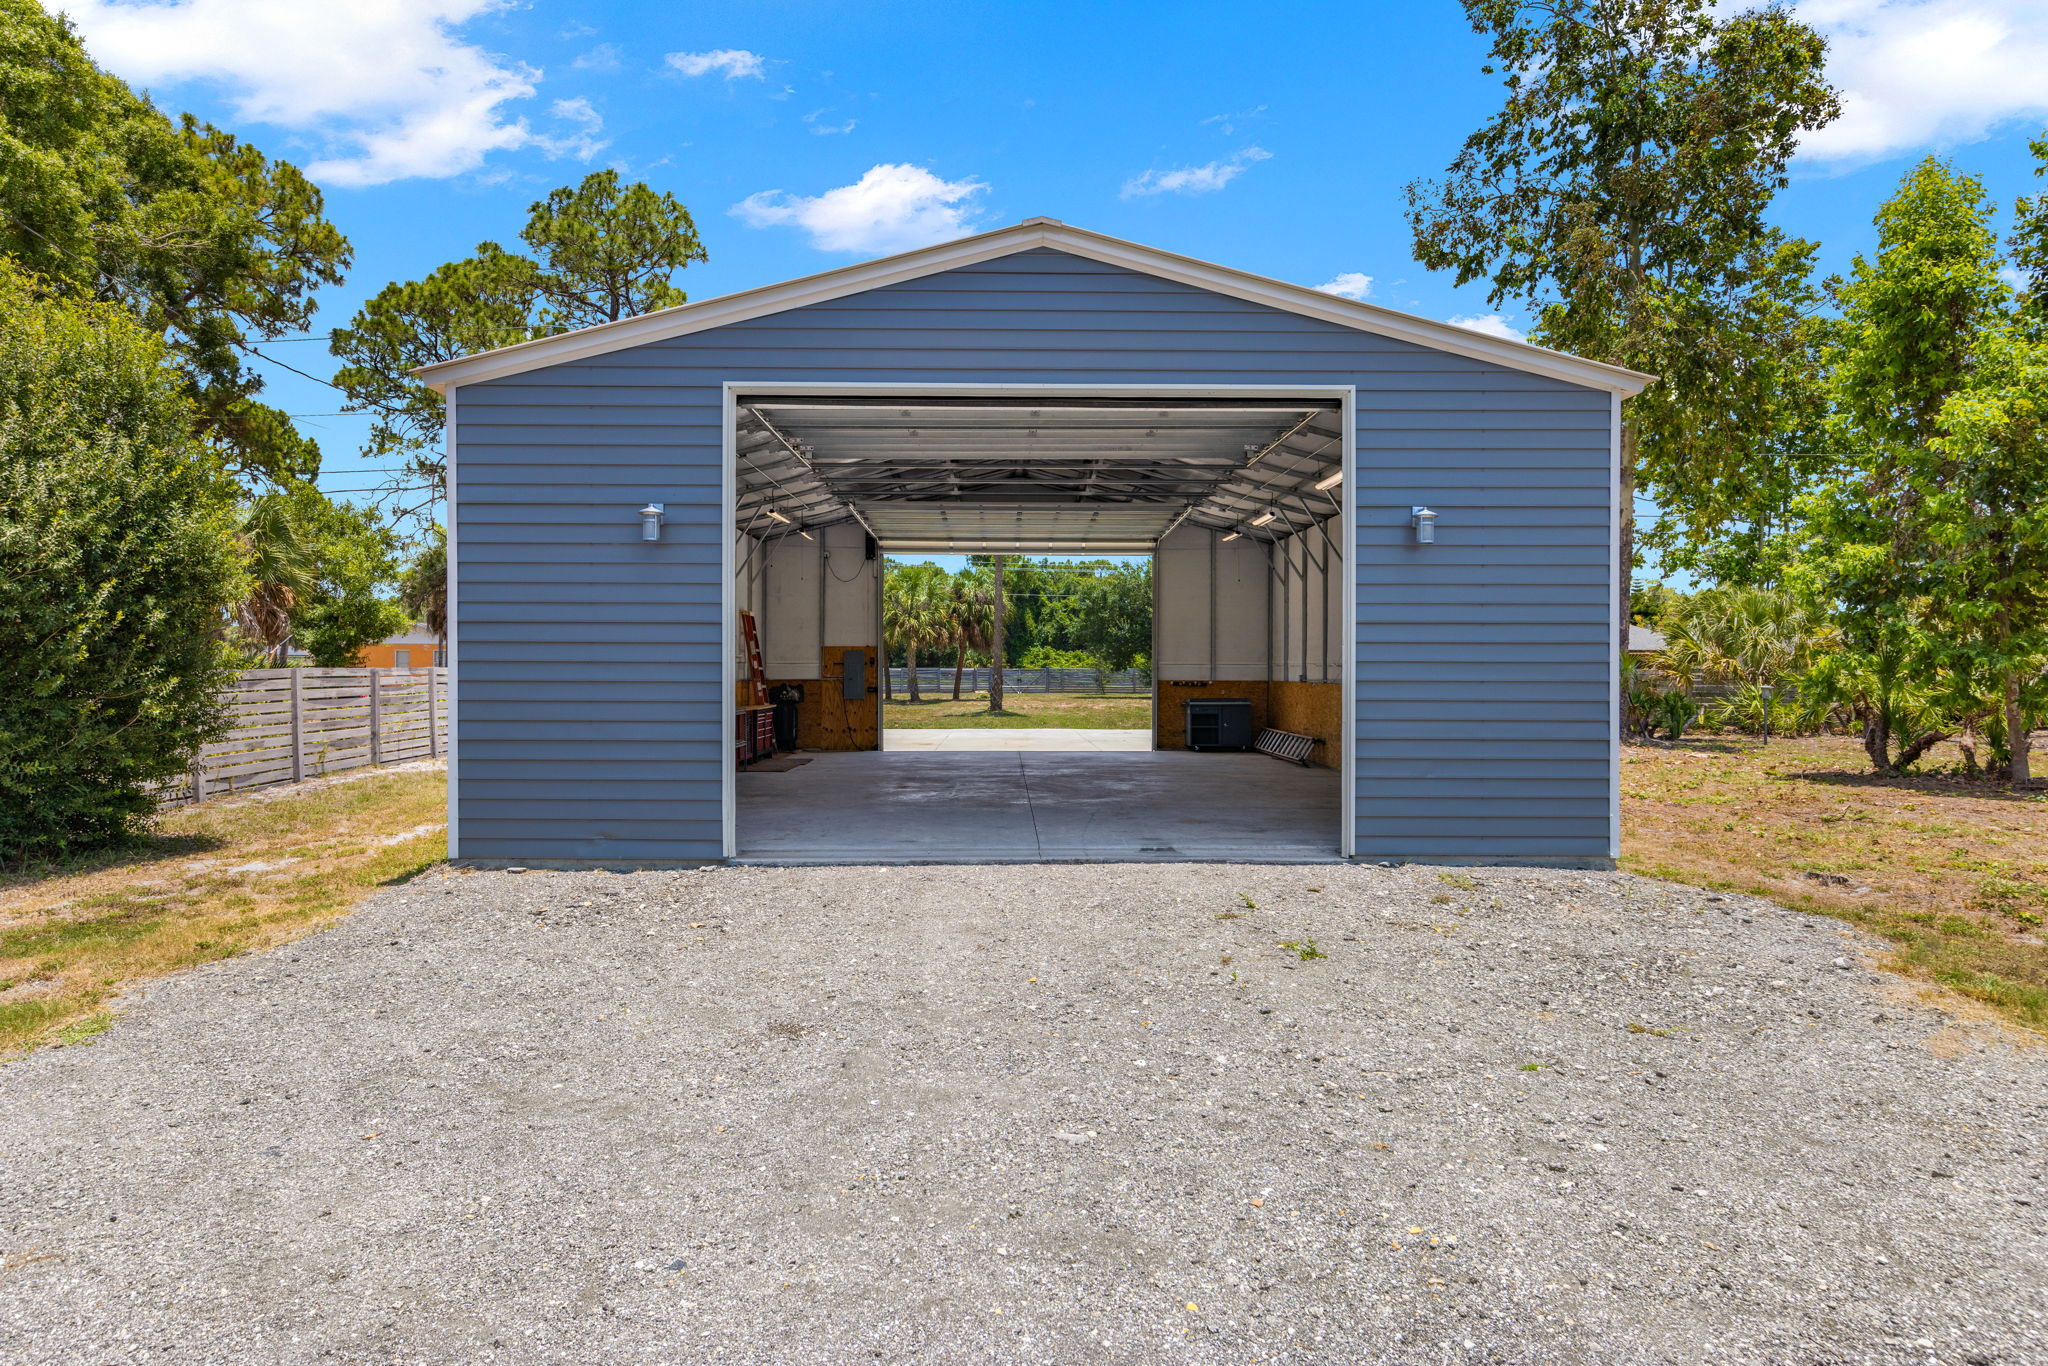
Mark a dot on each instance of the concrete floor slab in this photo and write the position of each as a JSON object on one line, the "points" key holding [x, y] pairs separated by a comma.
{"points": [[936, 805], [1042, 739]]}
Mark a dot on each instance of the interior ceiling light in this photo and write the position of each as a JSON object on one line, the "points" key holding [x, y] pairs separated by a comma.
{"points": [[1264, 517], [1233, 535], [775, 516], [1329, 481]]}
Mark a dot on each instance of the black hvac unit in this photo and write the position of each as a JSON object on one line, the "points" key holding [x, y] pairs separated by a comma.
{"points": [[1219, 723]]}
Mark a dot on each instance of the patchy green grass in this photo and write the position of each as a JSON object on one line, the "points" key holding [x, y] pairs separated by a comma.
{"points": [[216, 879], [1953, 872], [1023, 711]]}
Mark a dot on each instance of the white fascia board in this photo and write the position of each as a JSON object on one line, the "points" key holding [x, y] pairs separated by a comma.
{"points": [[1384, 322], [685, 319]]}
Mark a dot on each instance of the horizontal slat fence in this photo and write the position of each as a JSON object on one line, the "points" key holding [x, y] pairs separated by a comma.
{"points": [[294, 724], [1019, 679]]}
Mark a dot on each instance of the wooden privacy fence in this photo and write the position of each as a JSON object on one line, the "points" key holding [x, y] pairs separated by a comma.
{"points": [[294, 724]]}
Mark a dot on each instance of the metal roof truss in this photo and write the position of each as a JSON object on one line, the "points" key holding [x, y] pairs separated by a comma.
{"points": [[1072, 474]]}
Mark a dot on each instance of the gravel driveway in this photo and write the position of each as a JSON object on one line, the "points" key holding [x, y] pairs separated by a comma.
{"points": [[1032, 1114]]}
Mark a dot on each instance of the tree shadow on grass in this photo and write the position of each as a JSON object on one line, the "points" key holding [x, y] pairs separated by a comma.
{"points": [[140, 853], [1921, 784], [1703, 744]]}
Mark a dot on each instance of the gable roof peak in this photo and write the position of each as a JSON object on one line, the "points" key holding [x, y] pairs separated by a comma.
{"points": [[1028, 235]]}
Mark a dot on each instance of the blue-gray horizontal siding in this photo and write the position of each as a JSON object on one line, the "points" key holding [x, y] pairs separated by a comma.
{"points": [[1484, 660], [589, 716]]}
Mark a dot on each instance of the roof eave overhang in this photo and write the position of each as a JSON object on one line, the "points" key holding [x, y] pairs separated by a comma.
{"points": [[685, 319]]}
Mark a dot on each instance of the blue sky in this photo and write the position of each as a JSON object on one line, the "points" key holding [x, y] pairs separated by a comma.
{"points": [[804, 136]]}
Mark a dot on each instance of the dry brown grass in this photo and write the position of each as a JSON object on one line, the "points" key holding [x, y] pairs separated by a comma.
{"points": [[216, 879], [1953, 872]]}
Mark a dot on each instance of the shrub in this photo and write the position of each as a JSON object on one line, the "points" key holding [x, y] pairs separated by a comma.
{"points": [[1046, 657], [1790, 713], [116, 567]]}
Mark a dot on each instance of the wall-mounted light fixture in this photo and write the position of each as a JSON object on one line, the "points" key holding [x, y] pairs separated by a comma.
{"points": [[1264, 517], [1329, 481], [1424, 522], [650, 521]]}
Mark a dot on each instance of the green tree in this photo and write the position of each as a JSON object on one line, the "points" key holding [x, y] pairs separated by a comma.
{"points": [[917, 613], [351, 600], [1977, 496], [605, 252], [423, 587], [2029, 245], [1620, 194], [973, 618], [1113, 617], [601, 252], [206, 239], [281, 571], [1913, 314], [117, 565], [1739, 634], [1922, 538], [1651, 601]]}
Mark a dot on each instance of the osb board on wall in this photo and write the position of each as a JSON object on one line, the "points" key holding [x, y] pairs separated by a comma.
{"points": [[1173, 721], [826, 719], [1310, 709]]}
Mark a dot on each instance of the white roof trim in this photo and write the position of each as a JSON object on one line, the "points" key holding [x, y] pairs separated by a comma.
{"points": [[1028, 235]]}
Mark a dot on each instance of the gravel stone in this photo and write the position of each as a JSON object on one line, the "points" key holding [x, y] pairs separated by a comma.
{"points": [[1033, 1114]]}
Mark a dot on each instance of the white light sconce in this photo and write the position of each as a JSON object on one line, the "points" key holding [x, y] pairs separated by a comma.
{"points": [[1263, 517], [1424, 522], [650, 521], [1329, 481]]}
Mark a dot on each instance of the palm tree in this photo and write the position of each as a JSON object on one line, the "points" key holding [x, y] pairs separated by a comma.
{"points": [[423, 591], [282, 569], [974, 618], [916, 612], [1741, 635]]}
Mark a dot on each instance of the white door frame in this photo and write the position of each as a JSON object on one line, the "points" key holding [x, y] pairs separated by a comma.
{"points": [[1347, 403]]}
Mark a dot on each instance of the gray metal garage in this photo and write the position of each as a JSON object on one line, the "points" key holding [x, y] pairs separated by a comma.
{"points": [[1390, 533]]}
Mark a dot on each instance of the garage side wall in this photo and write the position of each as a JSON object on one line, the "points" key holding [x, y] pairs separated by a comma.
{"points": [[590, 720]]}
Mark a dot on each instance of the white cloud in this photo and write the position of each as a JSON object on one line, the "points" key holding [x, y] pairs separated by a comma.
{"points": [[891, 208], [1195, 179], [1348, 284], [603, 57], [1226, 124], [1492, 324], [730, 62], [1925, 73], [383, 88], [582, 142], [815, 120]]}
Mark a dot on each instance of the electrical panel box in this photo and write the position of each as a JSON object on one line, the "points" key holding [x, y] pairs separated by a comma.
{"points": [[853, 675]]}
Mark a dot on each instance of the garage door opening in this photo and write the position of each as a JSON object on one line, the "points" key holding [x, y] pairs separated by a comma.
{"points": [[1233, 501]]}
